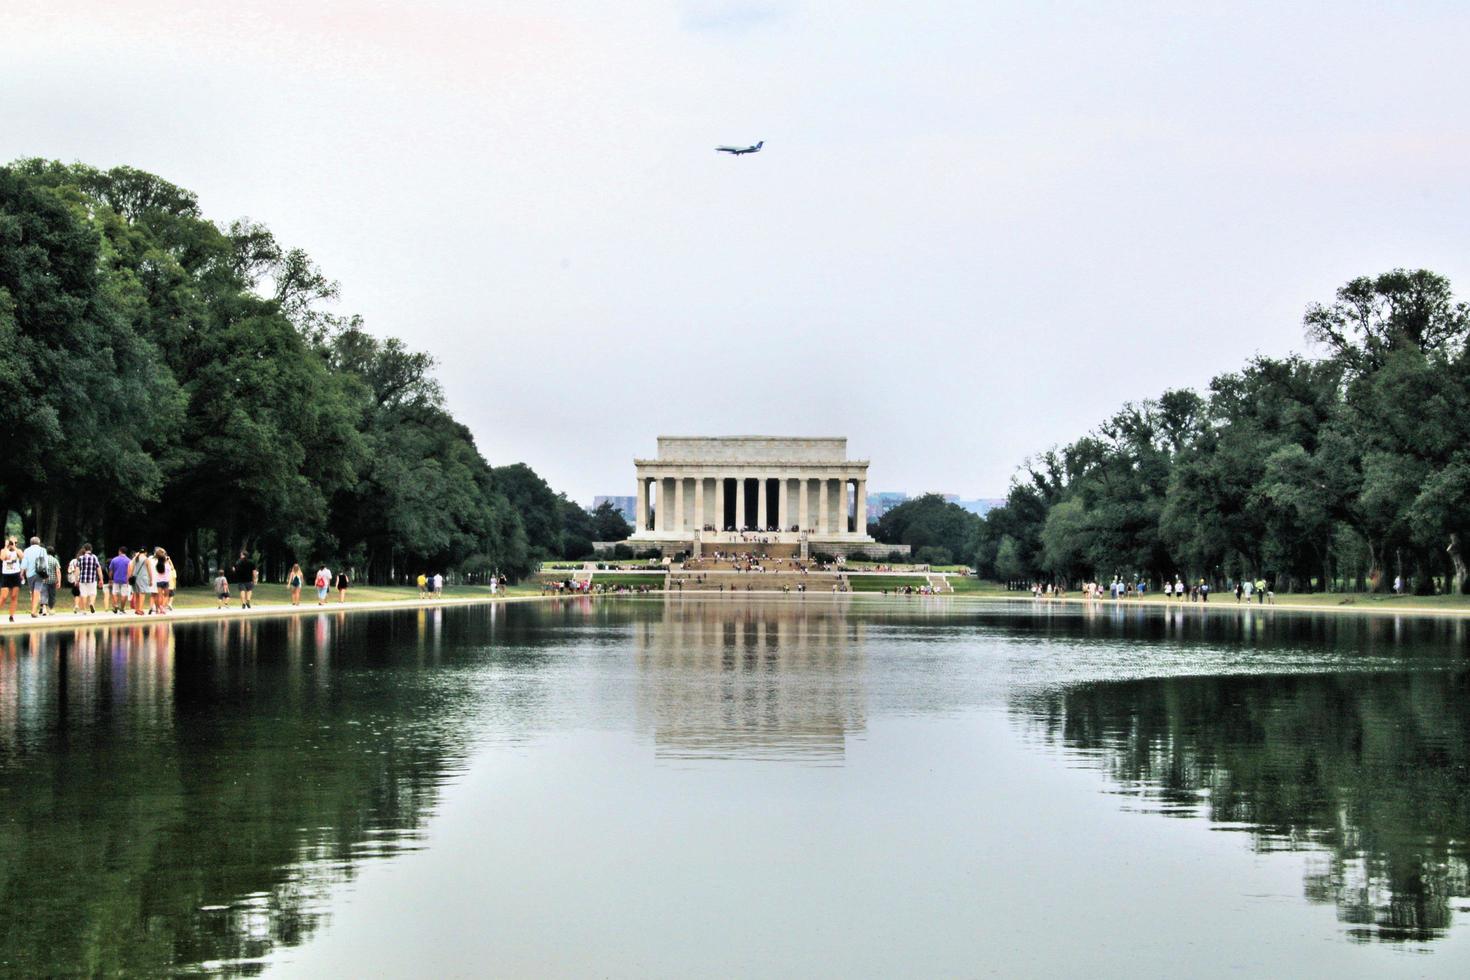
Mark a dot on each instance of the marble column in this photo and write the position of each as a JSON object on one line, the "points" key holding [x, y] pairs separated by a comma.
{"points": [[783, 503], [641, 505], [699, 521], [739, 502], [803, 505], [660, 506], [678, 503], [762, 511], [719, 521], [862, 506], [823, 519]]}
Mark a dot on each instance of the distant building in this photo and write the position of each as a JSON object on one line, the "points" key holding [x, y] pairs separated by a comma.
{"points": [[627, 506], [983, 505], [881, 503]]}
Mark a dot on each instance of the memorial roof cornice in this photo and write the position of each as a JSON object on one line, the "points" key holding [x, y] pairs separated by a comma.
{"points": [[715, 464]]}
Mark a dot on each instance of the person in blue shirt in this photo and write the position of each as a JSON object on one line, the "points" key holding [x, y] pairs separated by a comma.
{"points": [[119, 580]]}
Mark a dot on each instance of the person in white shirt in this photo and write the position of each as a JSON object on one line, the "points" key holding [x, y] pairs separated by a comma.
{"points": [[323, 584]]}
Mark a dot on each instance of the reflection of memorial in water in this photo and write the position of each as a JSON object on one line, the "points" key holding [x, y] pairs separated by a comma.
{"points": [[775, 680], [1368, 771]]}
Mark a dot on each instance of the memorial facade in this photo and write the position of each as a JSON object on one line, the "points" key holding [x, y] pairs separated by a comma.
{"points": [[702, 493]]}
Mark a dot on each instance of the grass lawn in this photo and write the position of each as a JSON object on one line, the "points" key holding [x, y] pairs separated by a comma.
{"points": [[966, 585], [631, 579], [877, 583], [268, 594], [1365, 600], [1327, 600]]}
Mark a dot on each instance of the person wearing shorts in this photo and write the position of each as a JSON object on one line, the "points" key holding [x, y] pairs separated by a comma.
{"points": [[119, 571], [159, 566], [246, 575], [323, 584], [89, 575], [10, 565], [342, 583], [35, 568], [222, 589]]}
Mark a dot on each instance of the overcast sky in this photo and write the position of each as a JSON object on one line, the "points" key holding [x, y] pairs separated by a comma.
{"points": [[975, 230]]}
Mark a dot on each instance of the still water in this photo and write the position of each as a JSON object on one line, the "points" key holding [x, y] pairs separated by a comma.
{"points": [[715, 787]]}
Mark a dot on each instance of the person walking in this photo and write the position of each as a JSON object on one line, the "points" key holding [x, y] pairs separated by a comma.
{"points": [[142, 583], [323, 584], [159, 566], [119, 574], [295, 581], [89, 576], [173, 582], [342, 583], [73, 579], [53, 578], [11, 563], [1261, 591], [423, 583], [222, 589], [34, 568], [246, 575], [438, 585]]}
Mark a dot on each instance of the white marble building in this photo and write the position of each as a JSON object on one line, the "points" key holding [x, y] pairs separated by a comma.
{"points": [[704, 493]]}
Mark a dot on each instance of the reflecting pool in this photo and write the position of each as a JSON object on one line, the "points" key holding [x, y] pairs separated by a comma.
{"points": [[721, 786]]}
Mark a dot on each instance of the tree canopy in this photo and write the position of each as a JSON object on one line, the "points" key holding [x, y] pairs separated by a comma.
{"points": [[176, 381], [1342, 472]]}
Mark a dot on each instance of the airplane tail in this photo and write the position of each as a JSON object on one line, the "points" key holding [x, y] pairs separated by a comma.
{"points": [[760, 144]]}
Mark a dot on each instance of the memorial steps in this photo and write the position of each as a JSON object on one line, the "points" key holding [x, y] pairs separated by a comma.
{"points": [[732, 581]]}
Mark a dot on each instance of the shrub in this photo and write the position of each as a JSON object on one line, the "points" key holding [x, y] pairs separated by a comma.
{"points": [[933, 554], [823, 558]]}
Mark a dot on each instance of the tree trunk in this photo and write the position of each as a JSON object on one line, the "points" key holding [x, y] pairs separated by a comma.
{"points": [[1457, 558]]}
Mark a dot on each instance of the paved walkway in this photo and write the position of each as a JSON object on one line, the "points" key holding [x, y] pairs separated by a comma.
{"points": [[102, 618]]}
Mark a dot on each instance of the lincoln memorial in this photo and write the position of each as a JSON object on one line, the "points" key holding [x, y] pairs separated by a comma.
{"points": [[706, 493]]}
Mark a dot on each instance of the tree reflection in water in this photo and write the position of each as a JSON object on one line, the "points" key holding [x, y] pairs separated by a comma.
{"points": [[1369, 770], [177, 796]]}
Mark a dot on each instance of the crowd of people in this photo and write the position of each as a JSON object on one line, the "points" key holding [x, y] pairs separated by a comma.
{"points": [[585, 586], [1245, 590], [144, 581]]}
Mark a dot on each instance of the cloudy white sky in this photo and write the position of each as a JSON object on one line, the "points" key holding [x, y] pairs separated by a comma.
{"points": [[976, 228]]}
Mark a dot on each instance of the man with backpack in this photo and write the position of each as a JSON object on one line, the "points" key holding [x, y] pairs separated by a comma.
{"points": [[36, 569]]}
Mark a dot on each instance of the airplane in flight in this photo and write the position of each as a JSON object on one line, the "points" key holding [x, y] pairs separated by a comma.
{"points": [[737, 150]]}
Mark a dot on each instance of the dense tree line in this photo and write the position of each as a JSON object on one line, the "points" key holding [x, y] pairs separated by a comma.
{"points": [[937, 531], [172, 381], [1348, 471]]}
